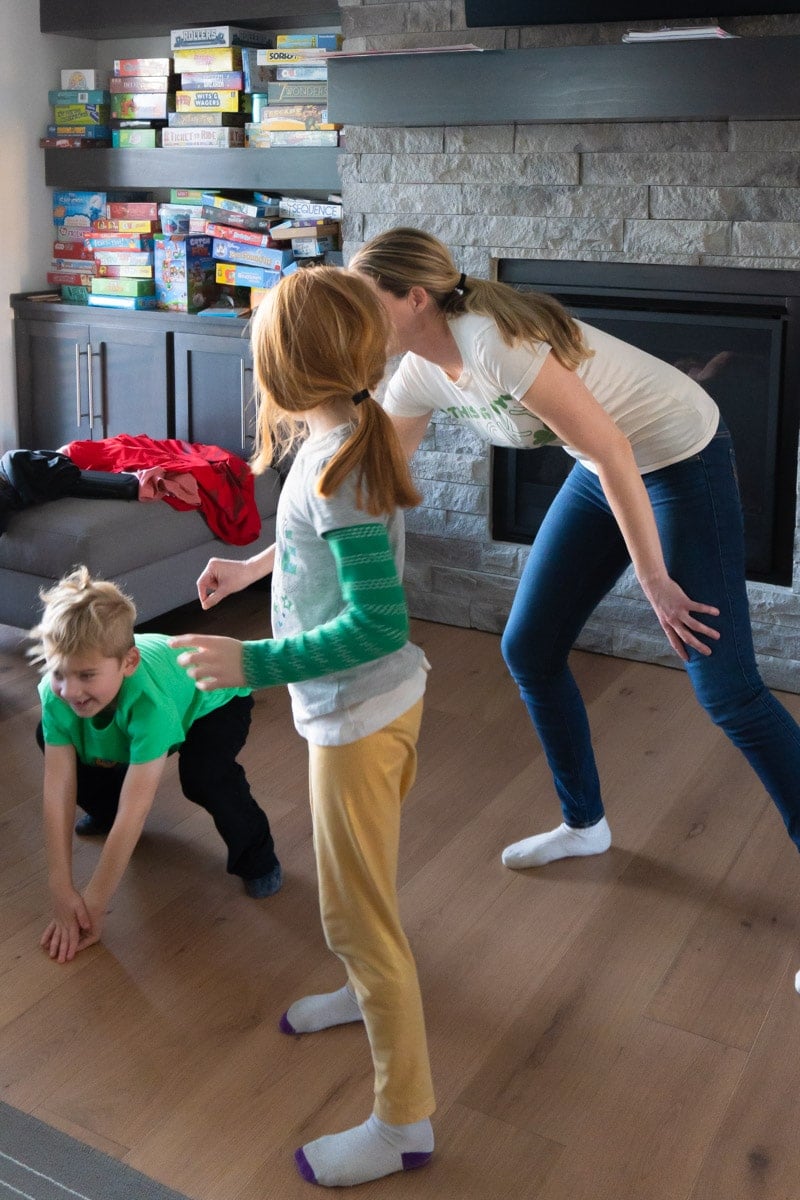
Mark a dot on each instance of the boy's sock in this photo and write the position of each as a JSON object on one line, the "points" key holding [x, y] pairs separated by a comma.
{"points": [[88, 826], [313, 1013], [262, 886], [365, 1152], [564, 842]]}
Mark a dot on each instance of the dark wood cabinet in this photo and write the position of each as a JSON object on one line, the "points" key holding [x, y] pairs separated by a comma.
{"points": [[214, 398], [80, 376], [90, 373]]}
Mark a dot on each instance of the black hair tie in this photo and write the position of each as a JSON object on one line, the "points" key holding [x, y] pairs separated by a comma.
{"points": [[461, 286], [359, 396]]}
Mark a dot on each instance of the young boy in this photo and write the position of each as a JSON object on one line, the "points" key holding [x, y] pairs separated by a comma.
{"points": [[114, 706]]}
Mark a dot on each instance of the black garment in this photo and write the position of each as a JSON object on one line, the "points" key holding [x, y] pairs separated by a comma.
{"points": [[211, 777], [29, 477], [39, 475]]}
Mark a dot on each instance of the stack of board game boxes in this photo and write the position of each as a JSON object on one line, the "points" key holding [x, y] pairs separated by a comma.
{"points": [[256, 241], [201, 252], [212, 103], [142, 98], [290, 96], [103, 249], [81, 111], [222, 86], [110, 252]]}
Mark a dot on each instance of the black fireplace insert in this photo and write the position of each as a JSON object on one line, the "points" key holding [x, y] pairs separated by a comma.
{"points": [[736, 330]]}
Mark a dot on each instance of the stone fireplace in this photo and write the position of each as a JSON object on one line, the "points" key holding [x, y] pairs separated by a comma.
{"points": [[715, 193], [736, 331]]}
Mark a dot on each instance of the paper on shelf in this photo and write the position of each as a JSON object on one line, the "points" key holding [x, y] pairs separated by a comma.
{"points": [[679, 33]]}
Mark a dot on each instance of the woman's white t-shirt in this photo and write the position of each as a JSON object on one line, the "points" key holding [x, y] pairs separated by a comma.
{"points": [[665, 415]]}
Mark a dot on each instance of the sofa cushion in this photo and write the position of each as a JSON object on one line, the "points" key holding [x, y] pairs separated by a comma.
{"points": [[109, 536]]}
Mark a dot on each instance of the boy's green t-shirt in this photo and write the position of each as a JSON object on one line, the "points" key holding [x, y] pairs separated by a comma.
{"points": [[155, 708]]}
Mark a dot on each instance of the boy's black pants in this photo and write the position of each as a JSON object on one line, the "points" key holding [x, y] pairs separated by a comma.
{"points": [[211, 777]]}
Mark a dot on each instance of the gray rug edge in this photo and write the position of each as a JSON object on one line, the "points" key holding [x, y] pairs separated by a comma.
{"points": [[46, 1155]]}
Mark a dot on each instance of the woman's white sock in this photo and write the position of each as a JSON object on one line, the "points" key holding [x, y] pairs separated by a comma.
{"points": [[365, 1152], [313, 1013], [564, 842]]}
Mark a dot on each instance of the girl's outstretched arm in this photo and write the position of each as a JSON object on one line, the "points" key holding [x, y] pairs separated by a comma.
{"points": [[373, 622], [223, 576]]}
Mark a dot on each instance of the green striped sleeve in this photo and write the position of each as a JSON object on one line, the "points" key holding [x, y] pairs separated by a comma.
{"points": [[373, 623]]}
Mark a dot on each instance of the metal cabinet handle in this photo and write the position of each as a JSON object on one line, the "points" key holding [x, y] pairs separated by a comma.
{"points": [[243, 369], [90, 383], [78, 356], [77, 384]]}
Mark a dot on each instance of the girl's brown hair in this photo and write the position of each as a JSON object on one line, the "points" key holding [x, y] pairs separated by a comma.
{"points": [[402, 258], [80, 615], [319, 336]]}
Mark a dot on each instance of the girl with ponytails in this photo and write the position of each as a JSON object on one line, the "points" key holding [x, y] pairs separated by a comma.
{"points": [[341, 642]]}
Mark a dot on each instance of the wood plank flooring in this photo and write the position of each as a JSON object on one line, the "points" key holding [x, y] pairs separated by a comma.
{"points": [[616, 1028]]}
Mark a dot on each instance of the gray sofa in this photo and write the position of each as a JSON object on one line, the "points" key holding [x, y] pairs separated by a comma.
{"points": [[153, 551]]}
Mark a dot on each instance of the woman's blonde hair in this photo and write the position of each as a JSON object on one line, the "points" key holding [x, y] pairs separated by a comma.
{"points": [[402, 258], [319, 336], [81, 614]]}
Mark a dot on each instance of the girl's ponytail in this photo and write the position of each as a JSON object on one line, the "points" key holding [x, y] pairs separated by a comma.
{"points": [[374, 453]]}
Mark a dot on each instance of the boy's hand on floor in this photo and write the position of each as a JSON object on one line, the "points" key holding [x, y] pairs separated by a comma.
{"points": [[72, 921], [96, 909]]}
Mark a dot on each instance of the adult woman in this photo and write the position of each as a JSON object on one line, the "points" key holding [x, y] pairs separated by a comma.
{"points": [[654, 484]]}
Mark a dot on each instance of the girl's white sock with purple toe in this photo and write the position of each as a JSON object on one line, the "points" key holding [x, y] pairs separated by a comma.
{"points": [[365, 1152], [313, 1013]]}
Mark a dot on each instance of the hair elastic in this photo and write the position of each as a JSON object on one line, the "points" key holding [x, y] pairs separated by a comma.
{"points": [[462, 283], [359, 396]]}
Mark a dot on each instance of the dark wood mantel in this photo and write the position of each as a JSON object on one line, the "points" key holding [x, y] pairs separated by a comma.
{"points": [[704, 80]]}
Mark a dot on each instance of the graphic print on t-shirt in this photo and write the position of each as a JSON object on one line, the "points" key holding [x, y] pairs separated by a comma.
{"points": [[283, 604], [497, 419]]}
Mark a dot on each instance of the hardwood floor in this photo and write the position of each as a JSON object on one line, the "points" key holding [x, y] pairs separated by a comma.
{"points": [[616, 1028]]}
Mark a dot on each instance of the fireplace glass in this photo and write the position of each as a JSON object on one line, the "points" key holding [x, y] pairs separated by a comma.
{"points": [[736, 331]]}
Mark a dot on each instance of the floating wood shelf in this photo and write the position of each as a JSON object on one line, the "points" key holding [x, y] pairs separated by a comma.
{"points": [[101, 19], [703, 80], [301, 169]]}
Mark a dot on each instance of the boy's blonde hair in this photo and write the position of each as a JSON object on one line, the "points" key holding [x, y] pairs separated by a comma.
{"points": [[81, 614], [402, 258], [319, 336]]}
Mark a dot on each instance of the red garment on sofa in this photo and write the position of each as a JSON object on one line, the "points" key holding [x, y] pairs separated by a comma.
{"points": [[224, 481]]}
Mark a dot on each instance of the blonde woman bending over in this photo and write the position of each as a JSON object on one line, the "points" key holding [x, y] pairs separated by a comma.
{"points": [[653, 484]]}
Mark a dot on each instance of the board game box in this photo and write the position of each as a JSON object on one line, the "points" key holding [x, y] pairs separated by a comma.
{"points": [[142, 66], [217, 35], [184, 272], [215, 139]]}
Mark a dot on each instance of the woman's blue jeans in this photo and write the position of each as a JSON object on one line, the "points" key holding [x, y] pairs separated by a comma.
{"points": [[578, 555]]}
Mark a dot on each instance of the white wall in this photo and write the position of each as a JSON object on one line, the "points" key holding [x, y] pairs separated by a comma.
{"points": [[30, 64]]}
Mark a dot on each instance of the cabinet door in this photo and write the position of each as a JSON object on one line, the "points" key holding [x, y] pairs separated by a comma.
{"points": [[214, 401], [127, 388], [52, 361]]}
